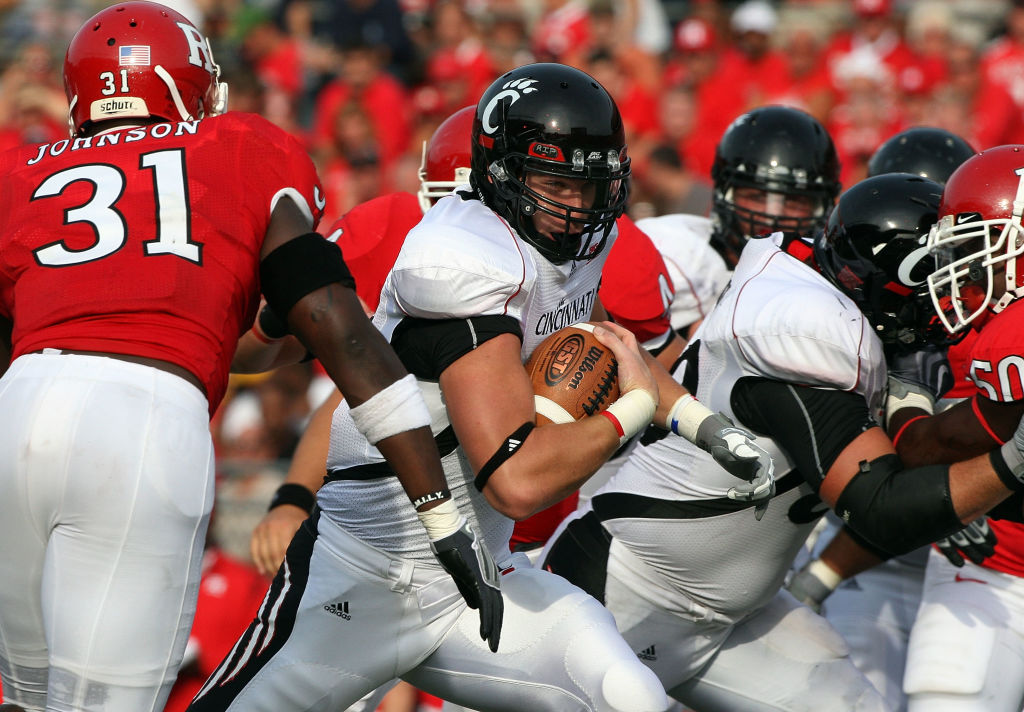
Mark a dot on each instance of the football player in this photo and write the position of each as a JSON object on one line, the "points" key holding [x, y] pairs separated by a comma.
{"points": [[775, 168], [134, 256], [488, 273], [979, 605], [794, 351], [875, 611]]}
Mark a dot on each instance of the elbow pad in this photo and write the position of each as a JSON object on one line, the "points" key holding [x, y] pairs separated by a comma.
{"points": [[896, 509]]}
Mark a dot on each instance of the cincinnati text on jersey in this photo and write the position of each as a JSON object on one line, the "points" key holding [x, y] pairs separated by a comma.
{"points": [[578, 309]]}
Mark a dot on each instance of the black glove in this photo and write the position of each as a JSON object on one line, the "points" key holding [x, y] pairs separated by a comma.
{"points": [[476, 575], [976, 541], [927, 368], [735, 450]]}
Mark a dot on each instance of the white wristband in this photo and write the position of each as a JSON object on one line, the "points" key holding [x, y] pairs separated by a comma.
{"points": [[631, 413], [442, 520], [824, 573], [685, 417], [397, 408]]}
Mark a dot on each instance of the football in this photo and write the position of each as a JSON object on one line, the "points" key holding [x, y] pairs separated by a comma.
{"points": [[573, 374]]}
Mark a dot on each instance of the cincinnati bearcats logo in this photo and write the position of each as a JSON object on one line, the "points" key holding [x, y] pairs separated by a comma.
{"points": [[912, 264], [512, 91]]}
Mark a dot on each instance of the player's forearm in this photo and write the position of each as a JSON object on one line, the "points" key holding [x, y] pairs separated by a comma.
{"points": [[846, 557], [546, 469], [308, 464]]}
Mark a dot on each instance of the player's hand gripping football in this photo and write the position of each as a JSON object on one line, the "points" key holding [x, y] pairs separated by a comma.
{"points": [[976, 541], [735, 450], [633, 372], [467, 560]]}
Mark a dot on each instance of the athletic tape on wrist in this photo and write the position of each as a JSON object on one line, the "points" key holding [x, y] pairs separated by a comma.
{"points": [[397, 408], [685, 417], [631, 413], [441, 521], [825, 574]]}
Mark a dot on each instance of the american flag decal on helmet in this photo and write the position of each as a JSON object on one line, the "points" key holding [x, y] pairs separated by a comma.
{"points": [[133, 55]]}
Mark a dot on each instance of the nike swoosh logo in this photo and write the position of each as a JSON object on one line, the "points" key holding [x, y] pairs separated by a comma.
{"points": [[319, 198], [959, 578]]}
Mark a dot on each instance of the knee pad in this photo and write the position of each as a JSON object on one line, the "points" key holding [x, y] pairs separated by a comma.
{"points": [[633, 688], [948, 655]]}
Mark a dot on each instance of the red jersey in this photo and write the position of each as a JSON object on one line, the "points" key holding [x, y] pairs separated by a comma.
{"points": [[370, 236], [146, 241], [997, 369], [636, 289]]}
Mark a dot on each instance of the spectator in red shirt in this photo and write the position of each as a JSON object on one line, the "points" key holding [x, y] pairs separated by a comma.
{"points": [[971, 104], [874, 32], [751, 68], [806, 84], [362, 79], [695, 63], [562, 33], [1003, 61]]}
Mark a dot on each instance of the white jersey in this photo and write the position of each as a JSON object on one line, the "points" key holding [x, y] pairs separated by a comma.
{"points": [[782, 320], [698, 272], [462, 260]]}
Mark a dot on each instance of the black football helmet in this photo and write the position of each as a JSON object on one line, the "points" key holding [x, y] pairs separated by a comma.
{"points": [[778, 149], [874, 249], [925, 150], [556, 120]]}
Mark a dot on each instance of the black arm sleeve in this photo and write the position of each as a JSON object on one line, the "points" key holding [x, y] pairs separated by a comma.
{"points": [[890, 510], [813, 425], [427, 347]]}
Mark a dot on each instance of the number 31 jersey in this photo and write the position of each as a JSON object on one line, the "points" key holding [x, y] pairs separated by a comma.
{"points": [[146, 241]]}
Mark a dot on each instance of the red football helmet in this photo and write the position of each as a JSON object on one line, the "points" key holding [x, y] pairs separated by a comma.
{"points": [[979, 235], [140, 59], [446, 157]]}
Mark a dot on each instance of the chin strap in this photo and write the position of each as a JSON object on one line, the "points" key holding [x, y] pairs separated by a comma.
{"points": [[175, 94]]}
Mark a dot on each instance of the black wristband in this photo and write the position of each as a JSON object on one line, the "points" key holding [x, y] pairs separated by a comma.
{"points": [[271, 324], [429, 497], [1006, 476], [292, 493]]}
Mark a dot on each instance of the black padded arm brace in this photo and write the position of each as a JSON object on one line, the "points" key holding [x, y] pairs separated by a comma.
{"points": [[300, 266], [898, 509]]}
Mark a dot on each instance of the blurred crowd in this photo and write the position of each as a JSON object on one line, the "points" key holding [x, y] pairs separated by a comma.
{"points": [[364, 82]]}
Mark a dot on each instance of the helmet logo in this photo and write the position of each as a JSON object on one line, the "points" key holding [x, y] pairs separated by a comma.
{"points": [[911, 262], [512, 91], [198, 51]]}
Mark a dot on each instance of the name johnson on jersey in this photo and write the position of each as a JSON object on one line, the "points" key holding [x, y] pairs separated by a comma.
{"points": [[156, 131]]}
